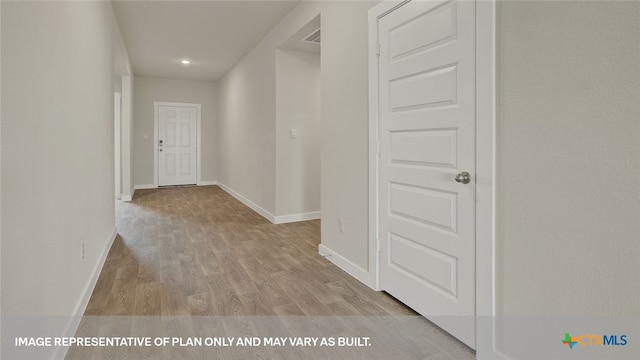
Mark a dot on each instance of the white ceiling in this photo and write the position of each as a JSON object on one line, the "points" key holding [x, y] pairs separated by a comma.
{"points": [[213, 34]]}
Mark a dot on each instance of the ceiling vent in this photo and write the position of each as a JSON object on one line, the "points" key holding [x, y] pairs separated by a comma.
{"points": [[314, 37]]}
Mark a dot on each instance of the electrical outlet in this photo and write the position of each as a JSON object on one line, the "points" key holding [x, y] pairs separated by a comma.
{"points": [[82, 251], [341, 225]]}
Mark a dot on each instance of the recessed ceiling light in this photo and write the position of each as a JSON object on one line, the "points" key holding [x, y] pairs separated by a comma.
{"points": [[185, 62]]}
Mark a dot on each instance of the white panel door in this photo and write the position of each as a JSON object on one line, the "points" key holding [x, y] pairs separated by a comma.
{"points": [[177, 145], [427, 130]]}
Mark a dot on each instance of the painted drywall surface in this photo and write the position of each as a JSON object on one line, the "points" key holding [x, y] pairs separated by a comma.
{"points": [[148, 90], [121, 63], [117, 84], [297, 107], [0, 174], [247, 115], [247, 111], [126, 131], [123, 83], [57, 152], [345, 129], [246, 131], [568, 180]]}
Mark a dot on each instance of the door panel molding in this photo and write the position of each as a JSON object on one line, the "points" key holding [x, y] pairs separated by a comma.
{"points": [[485, 168], [156, 119], [426, 89]]}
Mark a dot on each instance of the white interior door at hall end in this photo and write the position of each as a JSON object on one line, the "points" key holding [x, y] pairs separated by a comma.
{"points": [[427, 129], [177, 145]]}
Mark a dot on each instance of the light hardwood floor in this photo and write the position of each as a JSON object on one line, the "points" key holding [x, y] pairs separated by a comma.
{"points": [[197, 251]]}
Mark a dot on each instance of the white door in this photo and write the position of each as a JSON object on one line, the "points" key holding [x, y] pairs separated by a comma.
{"points": [[177, 145], [427, 130]]}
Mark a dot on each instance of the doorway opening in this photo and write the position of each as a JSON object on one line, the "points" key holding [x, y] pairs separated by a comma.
{"points": [[117, 114], [298, 131], [432, 141]]}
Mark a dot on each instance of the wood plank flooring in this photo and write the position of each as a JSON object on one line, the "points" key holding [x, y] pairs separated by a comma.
{"points": [[197, 251]]}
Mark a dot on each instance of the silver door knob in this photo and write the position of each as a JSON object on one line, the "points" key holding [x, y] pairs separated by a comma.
{"points": [[463, 177]]}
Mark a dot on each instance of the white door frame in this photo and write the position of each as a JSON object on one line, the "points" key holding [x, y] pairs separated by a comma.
{"points": [[117, 135], [198, 107], [485, 168]]}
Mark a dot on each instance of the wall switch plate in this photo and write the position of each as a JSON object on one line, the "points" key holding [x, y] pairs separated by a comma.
{"points": [[293, 133], [341, 225]]}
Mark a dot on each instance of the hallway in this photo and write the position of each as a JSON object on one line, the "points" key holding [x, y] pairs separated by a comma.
{"points": [[198, 251], [190, 253]]}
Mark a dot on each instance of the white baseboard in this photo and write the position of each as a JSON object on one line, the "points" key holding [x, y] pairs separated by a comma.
{"points": [[253, 206], [74, 320], [124, 197], [144, 187], [82, 304], [283, 219], [207, 183], [350, 268], [152, 186], [493, 354]]}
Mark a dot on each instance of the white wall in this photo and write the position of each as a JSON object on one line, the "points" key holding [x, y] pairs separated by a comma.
{"points": [[123, 83], [0, 175], [568, 188], [345, 129], [117, 84], [247, 116], [246, 128], [121, 64], [297, 107], [147, 90], [126, 137], [247, 111], [57, 152]]}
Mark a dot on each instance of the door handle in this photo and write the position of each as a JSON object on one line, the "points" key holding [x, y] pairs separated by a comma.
{"points": [[463, 177]]}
